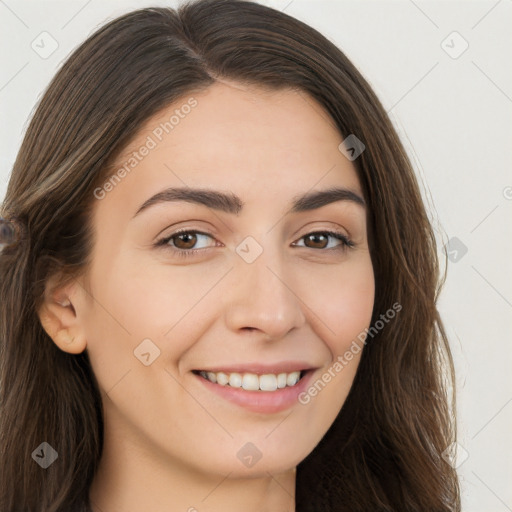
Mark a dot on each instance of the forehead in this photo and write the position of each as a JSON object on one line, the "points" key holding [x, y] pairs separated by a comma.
{"points": [[260, 143]]}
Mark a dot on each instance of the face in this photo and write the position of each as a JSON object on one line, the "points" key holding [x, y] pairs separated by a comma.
{"points": [[252, 287]]}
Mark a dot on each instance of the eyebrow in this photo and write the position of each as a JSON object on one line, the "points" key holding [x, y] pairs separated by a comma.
{"points": [[231, 203]]}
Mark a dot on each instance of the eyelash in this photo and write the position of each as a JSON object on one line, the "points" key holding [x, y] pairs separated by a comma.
{"points": [[187, 253]]}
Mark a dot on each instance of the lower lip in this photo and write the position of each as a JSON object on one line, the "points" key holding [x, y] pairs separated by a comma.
{"points": [[266, 402]]}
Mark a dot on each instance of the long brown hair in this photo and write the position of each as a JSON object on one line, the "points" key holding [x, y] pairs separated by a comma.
{"points": [[383, 452]]}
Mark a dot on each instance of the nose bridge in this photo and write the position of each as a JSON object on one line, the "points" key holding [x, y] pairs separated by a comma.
{"points": [[262, 297]]}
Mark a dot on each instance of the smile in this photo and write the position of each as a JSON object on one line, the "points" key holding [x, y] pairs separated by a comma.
{"points": [[264, 392], [252, 382]]}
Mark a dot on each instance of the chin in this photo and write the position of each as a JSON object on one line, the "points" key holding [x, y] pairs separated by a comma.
{"points": [[260, 456]]}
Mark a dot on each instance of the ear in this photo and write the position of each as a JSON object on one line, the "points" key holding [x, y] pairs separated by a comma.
{"points": [[59, 318]]}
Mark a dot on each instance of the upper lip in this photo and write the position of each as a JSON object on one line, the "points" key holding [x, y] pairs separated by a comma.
{"points": [[260, 369]]}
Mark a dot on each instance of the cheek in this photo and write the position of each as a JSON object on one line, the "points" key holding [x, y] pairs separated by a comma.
{"points": [[344, 303]]}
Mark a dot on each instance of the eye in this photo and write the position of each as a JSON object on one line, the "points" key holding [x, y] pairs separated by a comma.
{"points": [[185, 240], [319, 239]]}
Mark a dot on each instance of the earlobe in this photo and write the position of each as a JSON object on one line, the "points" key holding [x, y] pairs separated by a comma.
{"points": [[58, 319]]}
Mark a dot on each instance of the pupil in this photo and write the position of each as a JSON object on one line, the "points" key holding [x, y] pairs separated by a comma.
{"points": [[190, 241], [315, 237]]}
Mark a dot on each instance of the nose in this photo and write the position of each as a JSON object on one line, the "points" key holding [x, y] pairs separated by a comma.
{"points": [[262, 297]]}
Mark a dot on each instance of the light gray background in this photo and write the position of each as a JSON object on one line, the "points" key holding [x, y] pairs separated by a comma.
{"points": [[454, 116]]}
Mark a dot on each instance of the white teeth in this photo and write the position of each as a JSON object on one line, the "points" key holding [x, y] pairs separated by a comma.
{"points": [[222, 378], [268, 382], [253, 382], [235, 380], [292, 378], [250, 382], [281, 380]]}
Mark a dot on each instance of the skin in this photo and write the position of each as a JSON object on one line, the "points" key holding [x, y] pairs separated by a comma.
{"points": [[170, 443]]}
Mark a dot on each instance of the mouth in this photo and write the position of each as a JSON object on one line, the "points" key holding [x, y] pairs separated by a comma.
{"points": [[247, 381], [258, 390], [264, 388]]}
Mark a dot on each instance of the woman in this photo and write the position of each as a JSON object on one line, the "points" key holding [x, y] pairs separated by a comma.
{"points": [[219, 281]]}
